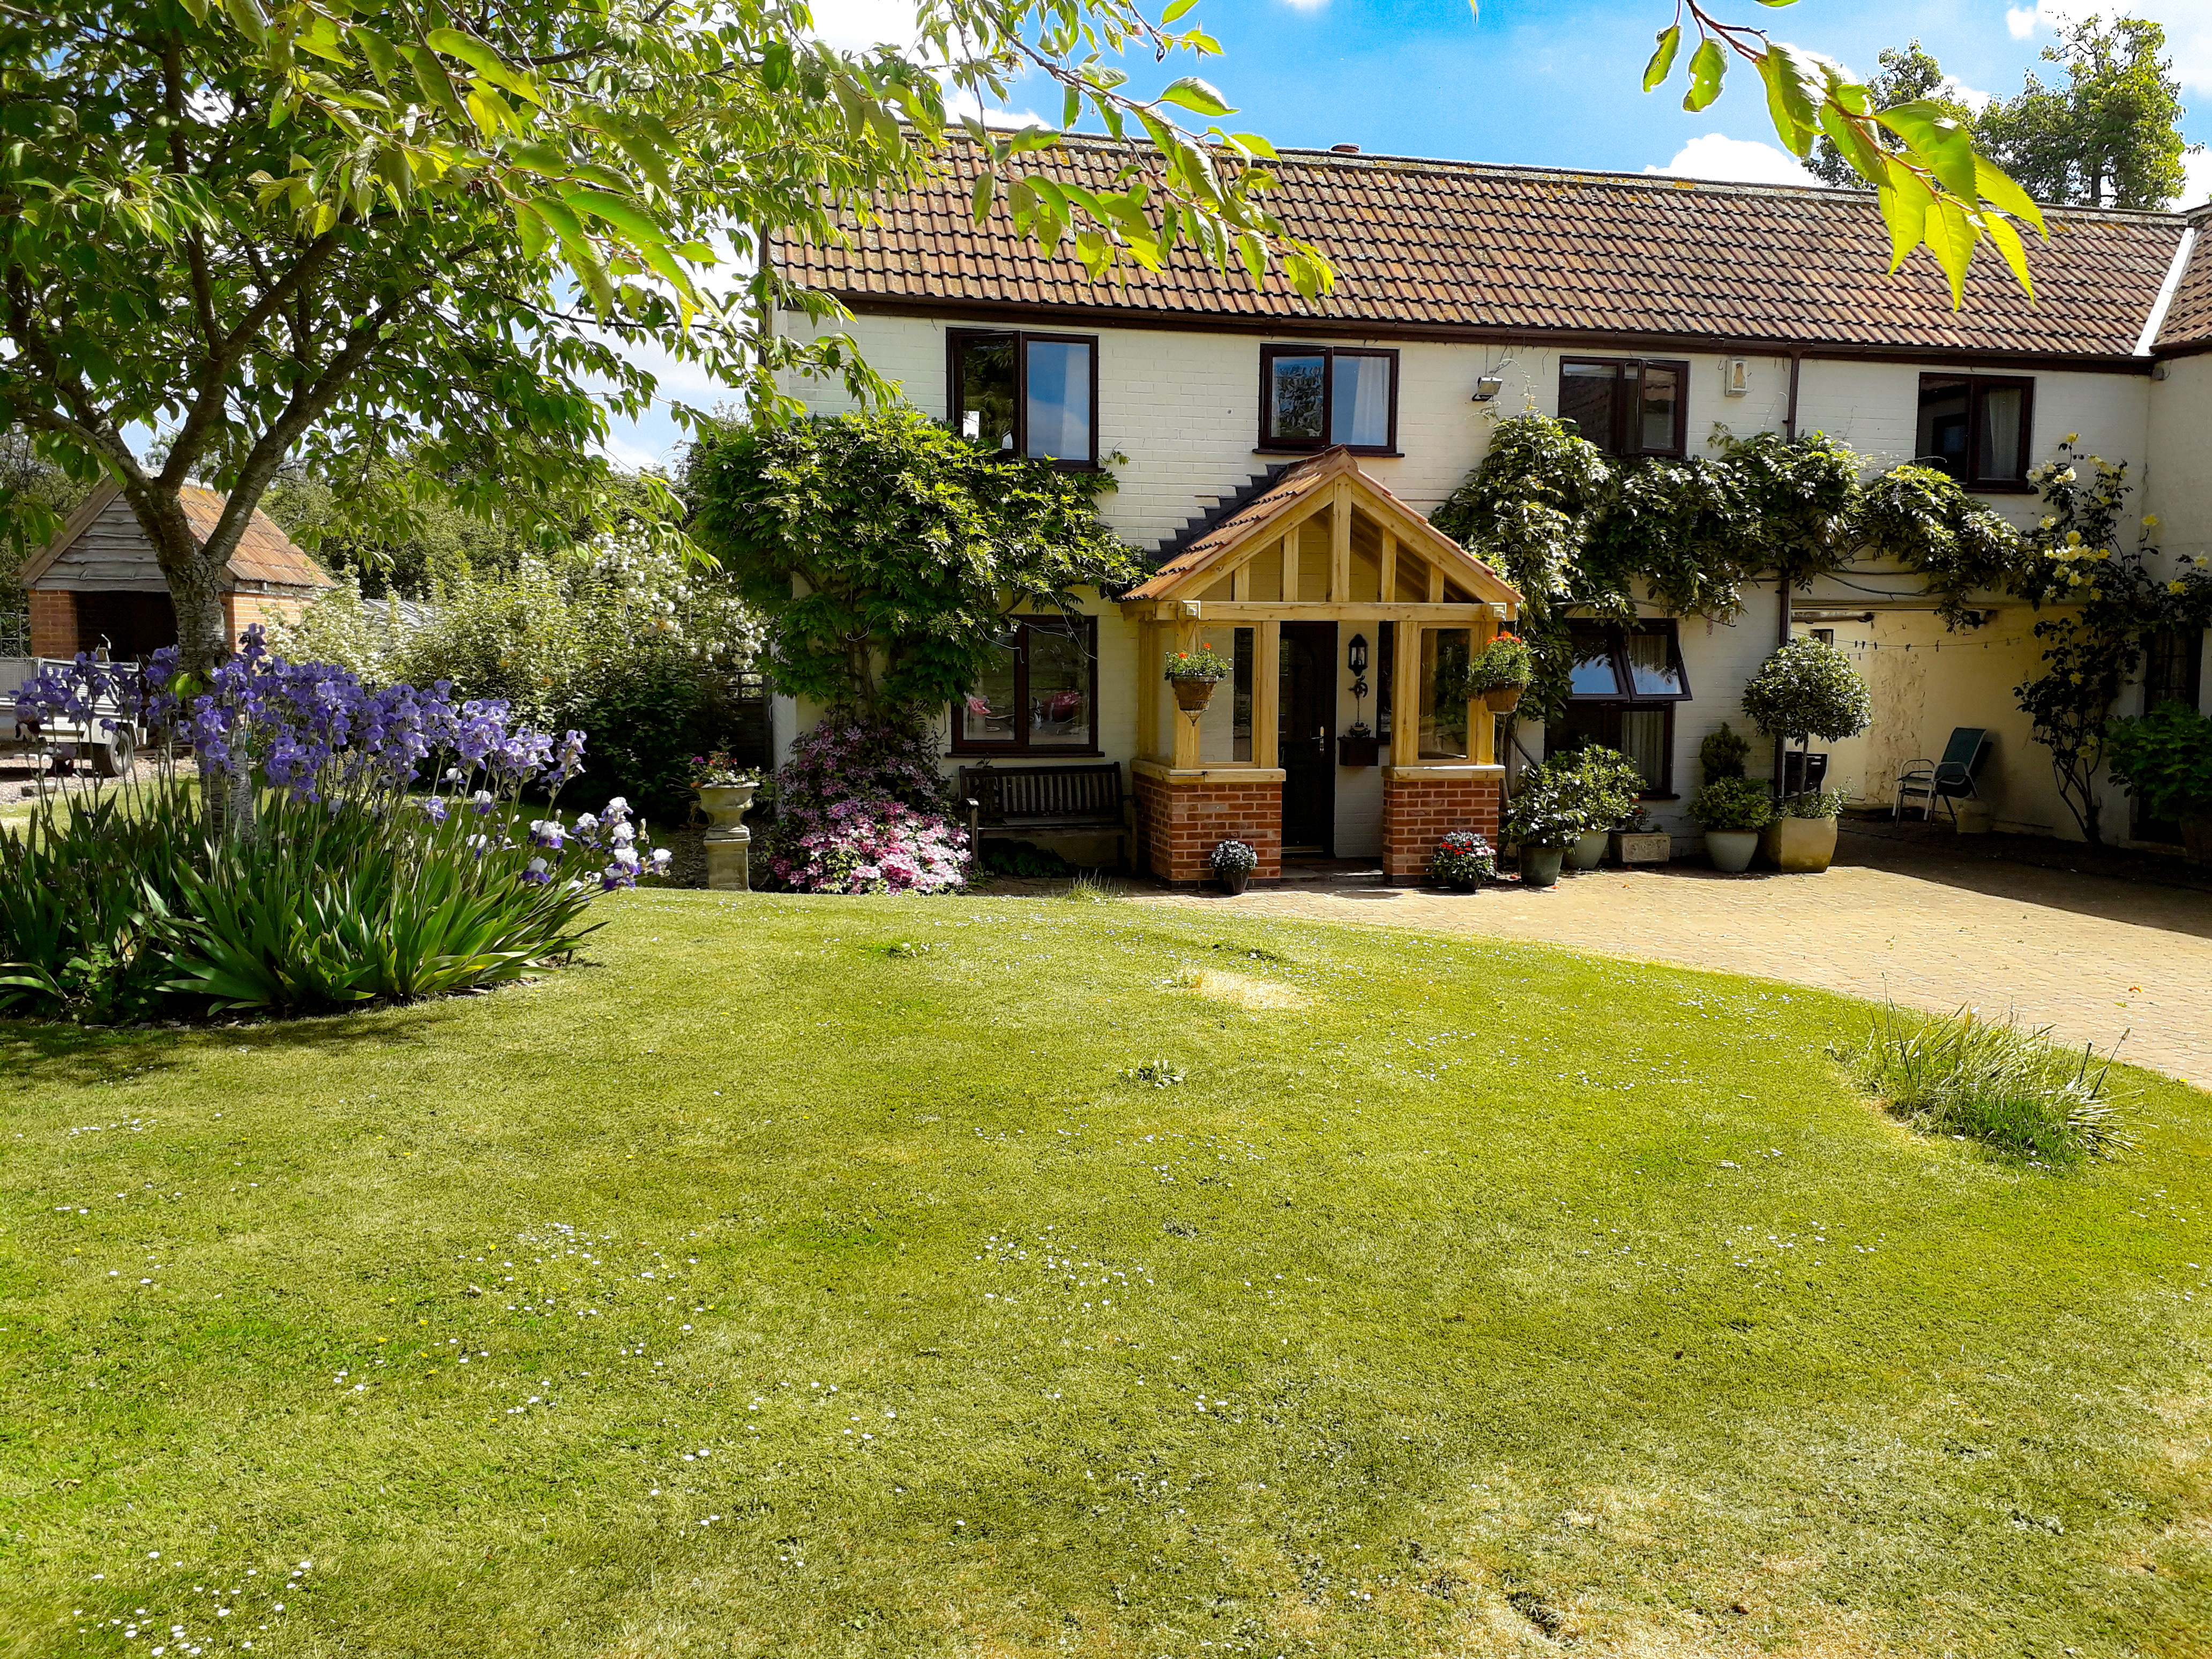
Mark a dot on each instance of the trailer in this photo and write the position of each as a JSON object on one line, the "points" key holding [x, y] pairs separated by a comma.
{"points": [[109, 737]]}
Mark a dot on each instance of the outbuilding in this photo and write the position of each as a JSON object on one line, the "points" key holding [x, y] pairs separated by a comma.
{"points": [[97, 586]]}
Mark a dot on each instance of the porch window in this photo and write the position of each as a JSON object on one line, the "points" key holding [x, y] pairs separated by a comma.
{"points": [[1444, 653], [1040, 695], [1975, 427], [1627, 405], [1622, 687], [1311, 397], [1033, 395]]}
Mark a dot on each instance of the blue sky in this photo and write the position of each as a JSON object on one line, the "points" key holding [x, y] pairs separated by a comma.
{"points": [[1546, 82]]}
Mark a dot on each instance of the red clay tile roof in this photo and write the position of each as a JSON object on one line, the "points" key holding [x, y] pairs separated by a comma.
{"points": [[1452, 247], [2188, 322]]}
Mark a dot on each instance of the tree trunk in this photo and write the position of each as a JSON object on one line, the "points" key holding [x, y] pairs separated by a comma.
{"points": [[194, 574]]}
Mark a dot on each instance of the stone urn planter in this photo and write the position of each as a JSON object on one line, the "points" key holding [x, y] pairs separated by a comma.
{"points": [[1642, 846], [1800, 847], [729, 844], [1540, 866], [1192, 695], [1731, 850], [1502, 699], [1589, 851]]}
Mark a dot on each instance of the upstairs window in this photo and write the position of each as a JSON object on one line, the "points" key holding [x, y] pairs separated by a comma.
{"points": [[1031, 395], [1626, 406], [1975, 427], [1312, 397]]}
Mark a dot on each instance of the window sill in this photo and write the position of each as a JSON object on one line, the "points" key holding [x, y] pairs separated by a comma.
{"points": [[1316, 449]]}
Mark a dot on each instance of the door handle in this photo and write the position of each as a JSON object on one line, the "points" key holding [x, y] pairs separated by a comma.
{"points": [[1320, 734]]}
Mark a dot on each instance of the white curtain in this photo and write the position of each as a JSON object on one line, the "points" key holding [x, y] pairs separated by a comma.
{"points": [[1361, 412]]}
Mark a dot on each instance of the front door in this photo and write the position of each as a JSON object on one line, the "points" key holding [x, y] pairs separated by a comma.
{"points": [[1307, 717]]}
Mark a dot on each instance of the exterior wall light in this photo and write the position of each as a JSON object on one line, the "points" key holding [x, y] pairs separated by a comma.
{"points": [[1487, 386]]}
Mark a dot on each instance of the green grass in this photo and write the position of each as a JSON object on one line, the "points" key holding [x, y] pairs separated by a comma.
{"points": [[1516, 1288]]}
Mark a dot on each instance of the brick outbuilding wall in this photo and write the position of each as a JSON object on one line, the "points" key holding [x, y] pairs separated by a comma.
{"points": [[1180, 817], [1418, 810], [53, 623]]}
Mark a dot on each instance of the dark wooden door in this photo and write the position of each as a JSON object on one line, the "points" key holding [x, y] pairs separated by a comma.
{"points": [[1305, 736]]}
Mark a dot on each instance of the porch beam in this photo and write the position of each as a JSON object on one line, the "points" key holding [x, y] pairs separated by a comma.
{"points": [[1340, 544], [1151, 664], [1389, 590], [1251, 611], [1185, 751]]}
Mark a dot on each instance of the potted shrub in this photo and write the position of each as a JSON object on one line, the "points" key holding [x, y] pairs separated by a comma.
{"points": [[1233, 862], [1500, 672], [1722, 754], [2166, 759], [1194, 674], [1807, 689], [1606, 784], [1802, 837], [1544, 818], [1463, 861], [1732, 811]]}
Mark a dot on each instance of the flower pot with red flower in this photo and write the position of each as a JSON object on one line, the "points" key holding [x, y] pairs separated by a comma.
{"points": [[1500, 672], [1193, 674]]}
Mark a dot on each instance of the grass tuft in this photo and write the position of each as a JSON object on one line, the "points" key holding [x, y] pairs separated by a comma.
{"points": [[1998, 1082]]}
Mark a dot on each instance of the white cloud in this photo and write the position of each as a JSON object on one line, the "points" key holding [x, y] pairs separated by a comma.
{"points": [[1744, 160], [2196, 181], [1305, 5], [2188, 30], [2021, 20], [856, 25]]}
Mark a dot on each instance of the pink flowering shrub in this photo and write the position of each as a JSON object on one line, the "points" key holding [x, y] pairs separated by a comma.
{"points": [[862, 808]]}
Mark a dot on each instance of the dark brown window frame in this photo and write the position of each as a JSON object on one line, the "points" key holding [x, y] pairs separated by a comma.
{"points": [[1631, 701], [1977, 386], [961, 744], [1329, 355], [1614, 443], [1022, 337]]}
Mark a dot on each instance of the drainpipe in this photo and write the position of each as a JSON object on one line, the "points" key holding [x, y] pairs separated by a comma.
{"points": [[1781, 574]]}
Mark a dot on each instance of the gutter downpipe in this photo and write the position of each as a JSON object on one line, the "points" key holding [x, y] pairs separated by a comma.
{"points": [[1781, 576]]}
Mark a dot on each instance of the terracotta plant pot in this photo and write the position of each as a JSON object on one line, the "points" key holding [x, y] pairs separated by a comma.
{"points": [[1588, 852], [1800, 847], [1540, 866], [1192, 695], [1502, 699], [1731, 850]]}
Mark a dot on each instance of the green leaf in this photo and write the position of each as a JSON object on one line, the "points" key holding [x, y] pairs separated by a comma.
{"points": [[1254, 253], [1849, 139], [2000, 231], [1177, 8], [636, 226], [1998, 189], [245, 16], [1942, 141], [383, 57], [986, 192], [437, 86], [1256, 145], [1905, 203], [1951, 237], [479, 57], [1071, 108], [531, 227], [1193, 93], [1794, 95], [1707, 65], [1662, 60]]}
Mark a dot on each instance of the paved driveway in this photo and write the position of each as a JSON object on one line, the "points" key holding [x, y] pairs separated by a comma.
{"points": [[2089, 955]]}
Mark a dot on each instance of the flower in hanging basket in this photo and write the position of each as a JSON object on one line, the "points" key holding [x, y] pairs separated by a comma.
{"points": [[1231, 858], [1505, 664], [1204, 664]]}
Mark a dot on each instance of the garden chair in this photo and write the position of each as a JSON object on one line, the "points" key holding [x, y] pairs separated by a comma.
{"points": [[1951, 779]]}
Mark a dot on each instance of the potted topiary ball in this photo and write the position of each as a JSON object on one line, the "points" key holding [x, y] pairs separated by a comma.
{"points": [[1233, 862], [1732, 811], [1194, 674], [1807, 689]]}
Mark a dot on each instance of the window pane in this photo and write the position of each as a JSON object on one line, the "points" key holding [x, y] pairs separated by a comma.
{"points": [[2001, 457], [1444, 713], [1359, 411], [1593, 674], [1060, 400], [1644, 740], [987, 714], [1651, 667], [1662, 393], [1060, 683], [1240, 730], [1294, 411], [1586, 398], [983, 389], [1943, 438]]}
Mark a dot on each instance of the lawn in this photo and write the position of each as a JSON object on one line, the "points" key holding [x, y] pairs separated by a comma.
{"points": [[756, 1287]]}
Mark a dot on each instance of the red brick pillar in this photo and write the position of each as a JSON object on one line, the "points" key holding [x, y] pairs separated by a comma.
{"points": [[1421, 803], [1181, 815], [53, 622]]}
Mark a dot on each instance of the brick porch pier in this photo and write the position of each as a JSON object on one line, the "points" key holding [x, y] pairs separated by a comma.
{"points": [[1182, 813], [1421, 803]]}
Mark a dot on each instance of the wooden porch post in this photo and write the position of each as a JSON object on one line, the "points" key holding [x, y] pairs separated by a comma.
{"points": [[1151, 664], [1389, 590], [1185, 728], [1406, 698], [1339, 545], [1291, 594], [1267, 692], [1481, 724]]}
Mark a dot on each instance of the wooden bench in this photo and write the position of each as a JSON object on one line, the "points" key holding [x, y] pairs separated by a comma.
{"points": [[1011, 803]]}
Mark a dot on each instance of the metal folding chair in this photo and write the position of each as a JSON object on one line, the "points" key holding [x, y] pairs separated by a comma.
{"points": [[1949, 779]]}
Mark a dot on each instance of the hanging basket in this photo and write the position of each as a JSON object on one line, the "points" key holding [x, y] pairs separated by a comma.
{"points": [[1502, 699], [1192, 695]]}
